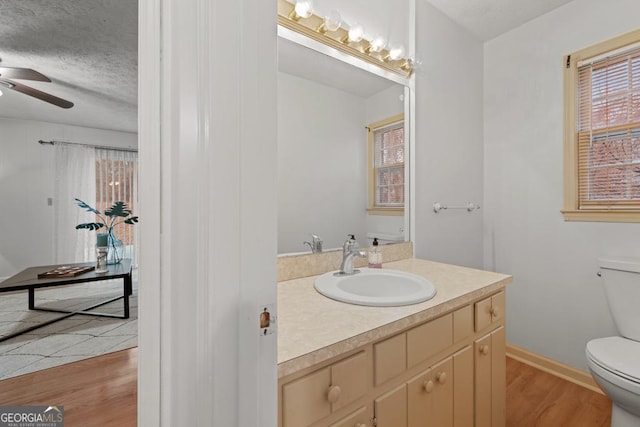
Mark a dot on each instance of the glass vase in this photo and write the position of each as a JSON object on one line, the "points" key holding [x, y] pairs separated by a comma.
{"points": [[116, 249]]}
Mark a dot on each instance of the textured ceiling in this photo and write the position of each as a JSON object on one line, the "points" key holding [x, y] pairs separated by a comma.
{"points": [[487, 19], [88, 48]]}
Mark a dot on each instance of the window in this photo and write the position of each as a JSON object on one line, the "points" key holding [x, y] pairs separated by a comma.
{"points": [[116, 180], [602, 132], [386, 166]]}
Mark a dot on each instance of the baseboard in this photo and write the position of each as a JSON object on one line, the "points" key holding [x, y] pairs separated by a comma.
{"points": [[553, 367]]}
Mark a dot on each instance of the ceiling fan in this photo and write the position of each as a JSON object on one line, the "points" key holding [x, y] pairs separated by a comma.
{"points": [[7, 73]]}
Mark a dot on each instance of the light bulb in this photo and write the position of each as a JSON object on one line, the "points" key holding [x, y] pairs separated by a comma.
{"points": [[378, 43], [332, 21], [396, 52], [0, 93], [355, 33], [303, 9]]}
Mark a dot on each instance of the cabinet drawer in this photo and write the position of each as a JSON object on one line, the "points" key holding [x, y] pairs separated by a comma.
{"points": [[462, 323], [390, 358], [429, 339], [314, 396], [489, 310], [305, 399], [351, 376]]}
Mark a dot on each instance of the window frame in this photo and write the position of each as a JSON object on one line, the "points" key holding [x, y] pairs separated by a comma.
{"points": [[571, 208], [372, 209]]}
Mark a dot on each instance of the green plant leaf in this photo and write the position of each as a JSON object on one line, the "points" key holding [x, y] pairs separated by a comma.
{"points": [[132, 220], [118, 209], [90, 226], [86, 206]]}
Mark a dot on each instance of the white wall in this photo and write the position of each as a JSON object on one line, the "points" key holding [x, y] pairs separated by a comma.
{"points": [[449, 151], [27, 180], [380, 106], [556, 303], [322, 168]]}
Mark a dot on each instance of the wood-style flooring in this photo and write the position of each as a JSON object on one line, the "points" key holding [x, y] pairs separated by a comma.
{"points": [[101, 392], [536, 398], [96, 392]]}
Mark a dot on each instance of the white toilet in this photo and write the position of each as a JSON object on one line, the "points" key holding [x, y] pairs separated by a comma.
{"points": [[614, 362]]}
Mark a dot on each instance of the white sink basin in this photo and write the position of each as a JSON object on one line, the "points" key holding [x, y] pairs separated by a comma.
{"points": [[376, 287]]}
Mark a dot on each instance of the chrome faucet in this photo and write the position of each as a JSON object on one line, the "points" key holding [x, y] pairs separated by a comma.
{"points": [[315, 244], [350, 249]]}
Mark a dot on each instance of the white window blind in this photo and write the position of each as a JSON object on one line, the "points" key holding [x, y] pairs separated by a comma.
{"points": [[389, 165], [609, 132]]}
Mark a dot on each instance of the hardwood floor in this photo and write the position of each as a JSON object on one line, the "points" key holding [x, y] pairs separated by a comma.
{"points": [[536, 398], [101, 392], [96, 392]]}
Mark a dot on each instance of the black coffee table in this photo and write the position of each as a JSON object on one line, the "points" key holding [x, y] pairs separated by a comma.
{"points": [[28, 280]]}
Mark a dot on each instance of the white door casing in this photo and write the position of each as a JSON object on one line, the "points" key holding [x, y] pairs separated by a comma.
{"points": [[207, 135]]}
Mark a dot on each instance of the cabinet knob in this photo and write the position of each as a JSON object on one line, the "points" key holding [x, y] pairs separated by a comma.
{"points": [[495, 312], [484, 349], [334, 394], [441, 377], [428, 386]]}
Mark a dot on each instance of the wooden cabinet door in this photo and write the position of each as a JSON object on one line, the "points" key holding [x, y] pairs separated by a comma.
{"points": [[420, 390], [390, 409], [463, 388], [482, 369], [498, 378], [430, 396], [490, 379], [443, 378], [359, 418]]}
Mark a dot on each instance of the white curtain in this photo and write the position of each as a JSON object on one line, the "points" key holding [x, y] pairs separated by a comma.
{"points": [[75, 177], [99, 177]]}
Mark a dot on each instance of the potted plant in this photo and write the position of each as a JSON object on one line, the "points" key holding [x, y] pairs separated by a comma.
{"points": [[116, 214]]}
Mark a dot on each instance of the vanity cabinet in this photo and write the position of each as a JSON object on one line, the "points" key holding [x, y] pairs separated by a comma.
{"points": [[445, 372]]}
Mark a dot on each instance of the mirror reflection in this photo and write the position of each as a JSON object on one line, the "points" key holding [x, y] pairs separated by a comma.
{"points": [[337, 175]]}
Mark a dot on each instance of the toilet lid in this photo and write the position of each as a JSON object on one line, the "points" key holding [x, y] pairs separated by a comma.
{"points": [[618, 355]]}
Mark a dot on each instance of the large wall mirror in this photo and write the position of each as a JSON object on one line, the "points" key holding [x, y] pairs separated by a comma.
{"points": [[324, 107]]}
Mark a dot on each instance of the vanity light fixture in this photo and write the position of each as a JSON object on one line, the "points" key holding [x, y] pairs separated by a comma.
{"points": [[376, 45], [396, 52], [355, 34], [331, 32], [331, 22], [302, 9]]}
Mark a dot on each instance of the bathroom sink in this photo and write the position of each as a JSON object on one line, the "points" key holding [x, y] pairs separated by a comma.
{"points": [[376, 287]]}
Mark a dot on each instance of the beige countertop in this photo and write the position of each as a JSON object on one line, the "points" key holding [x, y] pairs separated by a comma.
{"points": [[313, 328]]}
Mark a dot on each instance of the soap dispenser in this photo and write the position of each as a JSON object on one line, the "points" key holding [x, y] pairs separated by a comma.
{"points": [[375, 256]]}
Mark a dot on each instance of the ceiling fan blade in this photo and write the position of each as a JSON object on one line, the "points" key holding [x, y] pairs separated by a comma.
{"points": [[22, 74], [27, 90]]}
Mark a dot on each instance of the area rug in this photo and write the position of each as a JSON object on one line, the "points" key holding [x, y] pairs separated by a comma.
{"points": [[75, 338]]}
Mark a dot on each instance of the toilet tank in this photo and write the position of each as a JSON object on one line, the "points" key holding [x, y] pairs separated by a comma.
{"points": [[621, 279]]}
